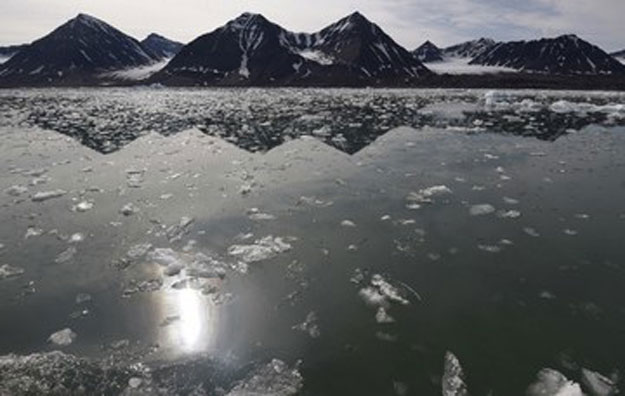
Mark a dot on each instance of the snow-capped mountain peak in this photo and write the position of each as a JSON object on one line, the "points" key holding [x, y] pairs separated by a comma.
{"points": [[356, 41], [78, 50], [469, 49], [161, 46], [428, 52], [566, 54]]}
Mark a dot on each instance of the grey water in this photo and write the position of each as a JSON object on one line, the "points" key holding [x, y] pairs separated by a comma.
{"points": [[316, 242]]}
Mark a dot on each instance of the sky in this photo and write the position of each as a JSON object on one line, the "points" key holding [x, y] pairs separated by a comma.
{"points": [[409, 22]]}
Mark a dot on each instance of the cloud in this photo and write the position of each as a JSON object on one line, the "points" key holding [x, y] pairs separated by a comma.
{"points": [[410, 22]]}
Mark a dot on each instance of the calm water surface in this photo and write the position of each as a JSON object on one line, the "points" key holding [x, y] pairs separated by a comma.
{"points": [[225, 260]]}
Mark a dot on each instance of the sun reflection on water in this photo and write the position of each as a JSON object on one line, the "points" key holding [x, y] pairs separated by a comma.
{"points": [[191, 321]]}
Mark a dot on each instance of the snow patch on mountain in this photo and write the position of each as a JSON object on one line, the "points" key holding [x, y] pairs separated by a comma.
{"points": [[139, 73], [316, 56], [457, 66]]}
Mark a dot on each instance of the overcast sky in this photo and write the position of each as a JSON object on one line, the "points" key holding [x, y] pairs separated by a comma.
{"points": [[410, 22]]}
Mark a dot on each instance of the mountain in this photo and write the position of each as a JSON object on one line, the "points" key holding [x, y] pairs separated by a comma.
{"points": [[428, 52], [564, 55], [247, 50], [74, 53], [161, 46], [361, 45], [469, 49], [7, 53], [250, 50]]}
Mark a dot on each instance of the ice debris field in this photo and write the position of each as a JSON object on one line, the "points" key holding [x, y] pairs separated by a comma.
{"points": [[282, 242]]}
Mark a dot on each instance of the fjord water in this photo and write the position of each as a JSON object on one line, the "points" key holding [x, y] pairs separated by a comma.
{"points": [[247, 255]]}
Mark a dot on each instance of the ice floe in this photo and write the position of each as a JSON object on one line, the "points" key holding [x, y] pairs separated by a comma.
{"points": [[481, 209], [8, 271], [63, 337], [46, 195], [83, 206], [453, 381], [550, 382], [597, 384], [273, 379], [262, 249], [309, 326], [426, 195]]}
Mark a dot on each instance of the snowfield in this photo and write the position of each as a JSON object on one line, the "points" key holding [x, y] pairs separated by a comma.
{"points": [[137, 73], [461, 66]]}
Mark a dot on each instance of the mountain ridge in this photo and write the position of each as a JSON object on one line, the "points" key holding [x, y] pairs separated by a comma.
{"points": [[565, 54], [75, 52], [250, 49]]}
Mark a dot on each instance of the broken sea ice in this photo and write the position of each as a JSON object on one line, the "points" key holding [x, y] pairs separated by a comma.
{"points": [[261, 249]]}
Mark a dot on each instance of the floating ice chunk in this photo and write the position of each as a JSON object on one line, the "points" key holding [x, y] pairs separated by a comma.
{"points": [[348, 223], [76, 237], [138, 250], [259, 216], [563, 106], [312, 201], [570, 232], [381, 293], [82, 298], [63, 337], [245, 189], [531, 232], [65, 255], [490, 248], [387, 289], [385, 218], [550, 382], [373, 297], [511, 201], [381, 316], [273, 379], [83, 206], [134, 180], [33, 232], [8, 271], [481, 209], [400, 388], [168, 258], [16, 190], [309, 325], [190, 246], [177, 231], [36, 172], [382, 336], [135, 382], [129, 209], [169, 320], [453, 381], [426, 195], [173, 269], [597, 384], [45, 195], [509, 214], [261, 249], [145, 286]]}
